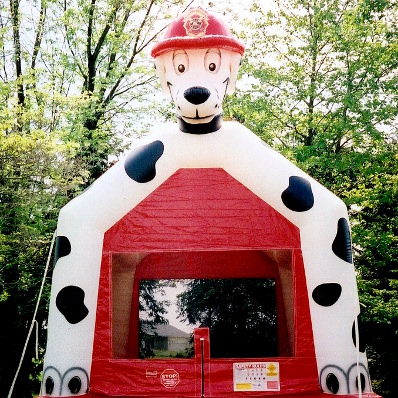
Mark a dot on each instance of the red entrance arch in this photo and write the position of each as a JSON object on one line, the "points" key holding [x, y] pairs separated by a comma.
{"points": [[205, 217]]}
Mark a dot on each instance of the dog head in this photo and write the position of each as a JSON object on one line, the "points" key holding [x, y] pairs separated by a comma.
{"points": [[198, 62], [197, 81]]}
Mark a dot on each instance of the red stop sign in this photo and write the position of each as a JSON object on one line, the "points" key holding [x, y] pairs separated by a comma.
{"points": [[169, 378]]}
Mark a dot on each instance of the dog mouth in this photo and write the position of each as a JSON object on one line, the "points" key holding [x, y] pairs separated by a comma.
{"points": [[197, 117], [198, 120]]}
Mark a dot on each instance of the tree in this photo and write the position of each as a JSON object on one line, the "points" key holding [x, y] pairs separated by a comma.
{"points": [[34, 180], [107, 47], [152, 311], [324, 93], [375, 236], [240, 313]]}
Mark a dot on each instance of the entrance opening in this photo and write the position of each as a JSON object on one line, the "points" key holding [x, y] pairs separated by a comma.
{"points": [[245, 298], [241, 315]]}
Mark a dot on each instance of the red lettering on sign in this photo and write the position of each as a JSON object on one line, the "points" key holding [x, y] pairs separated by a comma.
{"points": [[169, 378]]}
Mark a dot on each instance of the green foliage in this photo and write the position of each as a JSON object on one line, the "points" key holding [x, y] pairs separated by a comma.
{"points": [[34, 183], [152, 311], [240, 313]]}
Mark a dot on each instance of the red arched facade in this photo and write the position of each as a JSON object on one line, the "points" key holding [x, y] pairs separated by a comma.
{"points": [[200, 223]]}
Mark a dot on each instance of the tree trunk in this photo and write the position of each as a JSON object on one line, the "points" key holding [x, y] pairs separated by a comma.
{"points": [[14, 9]]}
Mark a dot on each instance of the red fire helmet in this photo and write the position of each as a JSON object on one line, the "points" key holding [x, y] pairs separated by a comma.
{"points": [[197, 28]]}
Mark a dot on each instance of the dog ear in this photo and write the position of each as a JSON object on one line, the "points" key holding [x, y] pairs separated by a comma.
{"points": [[234, 68], [160, 66]]}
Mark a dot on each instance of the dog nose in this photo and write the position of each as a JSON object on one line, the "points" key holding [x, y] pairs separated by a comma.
{"points": [[196, 95]]}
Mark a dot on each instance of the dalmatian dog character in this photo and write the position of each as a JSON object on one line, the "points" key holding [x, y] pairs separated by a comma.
{"points": [[197, 61]]}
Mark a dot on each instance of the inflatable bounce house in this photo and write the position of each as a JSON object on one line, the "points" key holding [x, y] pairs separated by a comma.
{"points": [[203, 199]]}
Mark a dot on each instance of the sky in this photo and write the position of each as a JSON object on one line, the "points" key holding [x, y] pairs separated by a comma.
{"points": [[171, 316]]}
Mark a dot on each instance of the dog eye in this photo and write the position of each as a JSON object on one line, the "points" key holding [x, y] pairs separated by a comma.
{"points": [[180, 62], [213, 60]]}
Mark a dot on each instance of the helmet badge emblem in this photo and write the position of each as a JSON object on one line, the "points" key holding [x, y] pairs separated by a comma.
{"points": [[196, 22]]}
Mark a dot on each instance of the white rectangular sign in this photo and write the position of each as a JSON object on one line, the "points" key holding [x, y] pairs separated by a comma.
{"points": [[256, 376]]}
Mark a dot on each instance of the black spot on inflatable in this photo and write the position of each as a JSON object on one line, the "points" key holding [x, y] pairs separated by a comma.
{"points": [[74, 385], [140, 164], [342, 242], [326, 294], [332, 383], [49, 385], [363, 382], [70, 303], [298, 195], [62, 247], [362, 345]]}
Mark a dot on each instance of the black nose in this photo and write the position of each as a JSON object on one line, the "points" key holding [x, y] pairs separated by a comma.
{"points": [[196, 95]]}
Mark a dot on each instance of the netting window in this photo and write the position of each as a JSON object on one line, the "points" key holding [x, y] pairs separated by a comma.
{"points": [[245, 298]]}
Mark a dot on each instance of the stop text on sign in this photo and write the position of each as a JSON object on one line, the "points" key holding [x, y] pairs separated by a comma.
{"points": [[169, 378]]}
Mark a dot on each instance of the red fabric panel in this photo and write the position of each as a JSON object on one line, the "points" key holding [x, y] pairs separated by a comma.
{"points": [[304, 340], [296, 377], [201, 209], [209, 264], [241, 395], [202, 361], [143, 378], [130, 378]]}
